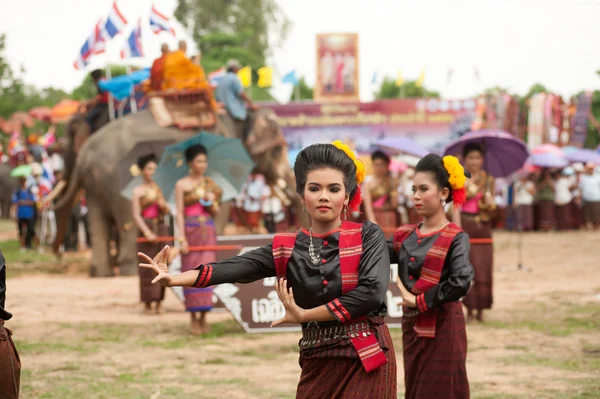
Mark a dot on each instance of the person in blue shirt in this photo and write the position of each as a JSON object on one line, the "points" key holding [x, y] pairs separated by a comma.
{"points": [[24, 201], [230, 92]]}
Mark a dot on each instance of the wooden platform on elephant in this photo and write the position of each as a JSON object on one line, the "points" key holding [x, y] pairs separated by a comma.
{"points": [[185, 109]]}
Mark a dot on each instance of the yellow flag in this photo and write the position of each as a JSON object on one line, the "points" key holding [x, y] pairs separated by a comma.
{"points": [[421, 79], [399, 79], [265, 76], [245, 75]]}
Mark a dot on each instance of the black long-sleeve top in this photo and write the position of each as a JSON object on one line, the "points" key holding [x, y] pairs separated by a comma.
{"points": [[4, 315], [456, 275], [321, 284]]}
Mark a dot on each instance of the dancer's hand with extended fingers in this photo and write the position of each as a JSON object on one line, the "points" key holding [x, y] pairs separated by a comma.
{"points": [[408, 298], [293, 312], [158, 265]]}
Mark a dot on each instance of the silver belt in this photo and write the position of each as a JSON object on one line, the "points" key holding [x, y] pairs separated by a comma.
{"points": [[313, 335]]}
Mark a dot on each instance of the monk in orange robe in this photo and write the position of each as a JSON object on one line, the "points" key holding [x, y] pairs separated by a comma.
{"points": [[157, 70], [181, 73]]}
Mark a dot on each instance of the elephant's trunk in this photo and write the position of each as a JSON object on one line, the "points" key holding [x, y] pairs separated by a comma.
{"points": [[62, 210]]}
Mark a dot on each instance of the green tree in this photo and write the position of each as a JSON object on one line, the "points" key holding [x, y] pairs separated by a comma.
{"points": [[217, 48], [303, 90], [12, 88], [409, 89], [240, 29], [535, 89], [244, 27], [15, 95]]}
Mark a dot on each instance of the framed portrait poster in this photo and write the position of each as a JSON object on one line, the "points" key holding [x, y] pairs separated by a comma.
{"points": [[337, 67]]}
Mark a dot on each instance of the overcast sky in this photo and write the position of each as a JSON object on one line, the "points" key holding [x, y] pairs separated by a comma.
{"points": [[513, 43]]}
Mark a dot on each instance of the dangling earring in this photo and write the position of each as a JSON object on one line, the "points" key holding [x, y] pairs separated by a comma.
{"points": [[443, 202], [345, 212], [304, 208]]}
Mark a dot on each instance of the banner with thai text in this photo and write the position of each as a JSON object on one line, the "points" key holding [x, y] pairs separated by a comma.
{"points": [[430, 122]]}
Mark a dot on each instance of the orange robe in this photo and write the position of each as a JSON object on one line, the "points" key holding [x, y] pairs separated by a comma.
{"points": [[181, 73], [156, 73]]}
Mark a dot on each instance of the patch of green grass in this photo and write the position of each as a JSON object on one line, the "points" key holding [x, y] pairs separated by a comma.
{"points": [[147, 377], [8, 225], [228, 328], [11, 249], [476, 395], [32, 262], [478, 391], [31, 348], [180, 337], [517, 348], [268, 352], [585, 389], [591, 350], [216, 360], [93, 389], [259, 353], [231, 381], [568, 364], [560, 320], [66, 367]]}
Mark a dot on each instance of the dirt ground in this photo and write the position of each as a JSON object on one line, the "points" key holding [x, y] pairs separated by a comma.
{"points": [[87, 338]]}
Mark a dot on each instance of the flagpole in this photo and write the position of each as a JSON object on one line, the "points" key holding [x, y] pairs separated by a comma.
{"points": [[132, 103], [111, 104]]}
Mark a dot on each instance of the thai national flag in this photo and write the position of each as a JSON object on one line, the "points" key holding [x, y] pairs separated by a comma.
{"points": [[159, 22], [115, 23], [93, 45], [133, 45], [216, 76]]}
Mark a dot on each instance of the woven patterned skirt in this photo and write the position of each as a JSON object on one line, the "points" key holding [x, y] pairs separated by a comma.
{"points": [[10, 365], [576, 215], [199, 231], [480, 295], [563, 217], [436, 368], [545, 216], [151, 292], [333, 377], [525, 217], [387, 220]]}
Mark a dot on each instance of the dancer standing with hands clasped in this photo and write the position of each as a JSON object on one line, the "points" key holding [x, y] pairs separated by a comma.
{"points": [[149, 208], [333, 280], [197, 200], [434, 273]]}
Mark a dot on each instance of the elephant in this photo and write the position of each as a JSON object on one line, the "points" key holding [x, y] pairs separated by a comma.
{"points": [[91, 165], [8, 185]]}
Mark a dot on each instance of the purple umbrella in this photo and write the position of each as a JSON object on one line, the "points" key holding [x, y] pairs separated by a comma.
{"points": [[504, 153], [548, 160], [582, 155], [402, 145]]}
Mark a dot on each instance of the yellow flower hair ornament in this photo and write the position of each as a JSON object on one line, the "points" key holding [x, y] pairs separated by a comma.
{"points": [[360, 167], [354, 204], [457, 179]]}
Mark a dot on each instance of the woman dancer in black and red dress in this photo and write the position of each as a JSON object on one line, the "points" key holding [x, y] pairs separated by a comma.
{"points": [[434, 272], [339, 272]]}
